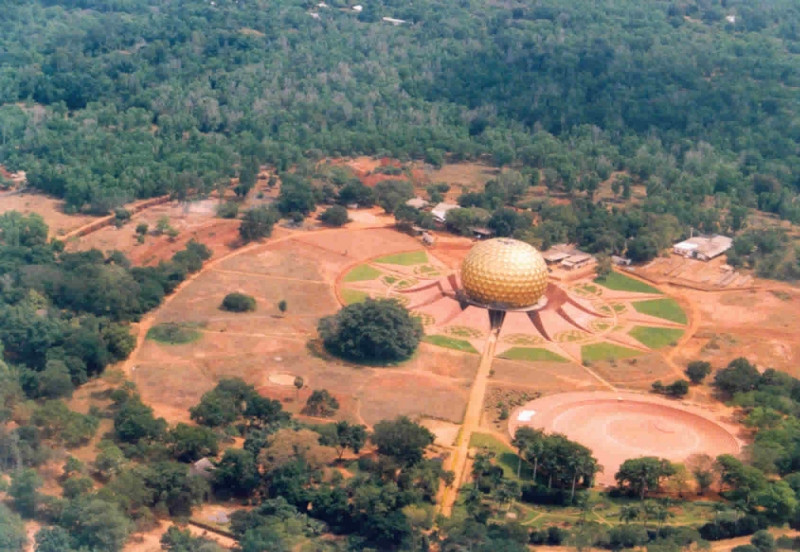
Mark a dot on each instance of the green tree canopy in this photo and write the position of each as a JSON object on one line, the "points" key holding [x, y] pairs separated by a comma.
{"points": [[377, 330]]}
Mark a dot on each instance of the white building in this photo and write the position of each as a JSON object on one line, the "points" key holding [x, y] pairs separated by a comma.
{"points": [[704, 248], [417, 203], [440, 211]]}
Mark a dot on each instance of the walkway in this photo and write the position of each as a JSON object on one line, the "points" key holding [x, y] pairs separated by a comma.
{"points": [[457, 461]]}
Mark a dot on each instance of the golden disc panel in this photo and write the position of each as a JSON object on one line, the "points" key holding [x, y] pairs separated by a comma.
{"points": [[504, 273]]}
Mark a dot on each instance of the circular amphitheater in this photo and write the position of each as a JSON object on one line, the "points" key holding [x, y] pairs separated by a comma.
{"points": [[618, 426]]}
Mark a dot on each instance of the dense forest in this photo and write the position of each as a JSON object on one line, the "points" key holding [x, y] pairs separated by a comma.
{"points": [[108, 100]]}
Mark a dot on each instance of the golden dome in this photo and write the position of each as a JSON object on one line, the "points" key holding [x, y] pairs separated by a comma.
{"points": [[504, 273]]}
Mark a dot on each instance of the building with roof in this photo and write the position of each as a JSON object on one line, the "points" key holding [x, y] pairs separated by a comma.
{"points": [[417, 203], [440, 211], [481, 233], [567, 256], [703, 248]]}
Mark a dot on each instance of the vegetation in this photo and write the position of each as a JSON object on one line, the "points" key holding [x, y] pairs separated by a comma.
{"points": [[668, 309], [105, 102], [532, 354], [697, 371], [238, 302], [173, 333], [656, 338], [450, 342], [373, 331], [321, 403], [409, 258], [620, 282], [335, 216], [257, 224], [606, 351], [361, 272], [677, 389], [353, 296]]}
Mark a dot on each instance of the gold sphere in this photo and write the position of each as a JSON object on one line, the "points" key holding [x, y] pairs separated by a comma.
{"points": [[504, 273]]}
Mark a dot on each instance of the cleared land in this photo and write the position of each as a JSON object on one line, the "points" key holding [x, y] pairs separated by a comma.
{"points": [[50, 209], [302, 269]]}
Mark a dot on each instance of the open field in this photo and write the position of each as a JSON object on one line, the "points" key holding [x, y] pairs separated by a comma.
{"points": [[302, 270], [757, 324], [50, 209]]}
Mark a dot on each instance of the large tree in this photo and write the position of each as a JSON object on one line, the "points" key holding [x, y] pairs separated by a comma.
{"points": [[644, 474], [257, 223], [377, 330], [402, 439]]}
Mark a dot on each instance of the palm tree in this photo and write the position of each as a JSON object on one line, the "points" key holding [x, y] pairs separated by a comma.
{"points": [[629, 513], [525, 439], [481, 465]]}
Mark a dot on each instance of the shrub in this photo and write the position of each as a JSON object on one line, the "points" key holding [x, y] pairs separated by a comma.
{"points": [[229, 210], [335, 216], [379, 330], [697, 370], [257, 223], [173, 334], [739, 376], [238, 302]]}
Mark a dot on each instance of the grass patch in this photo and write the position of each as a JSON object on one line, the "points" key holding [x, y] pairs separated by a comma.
{"points": [[668, 309], [350, 296], [406, 259], [606, 351], [532, 354], [655, 338], [620, 282], [450, 343], [172, 333], [360, 273], [504, 456]]}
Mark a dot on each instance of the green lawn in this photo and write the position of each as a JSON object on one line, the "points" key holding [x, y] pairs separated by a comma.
{"points": [[406, 259], [655, 338], [361, 272], [620, 282], [450, 343], [668, 309], [351, 296], [533, 354], [606, 351]]}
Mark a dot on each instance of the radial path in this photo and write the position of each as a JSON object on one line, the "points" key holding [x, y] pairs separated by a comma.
{"points": [[472, 419]]}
